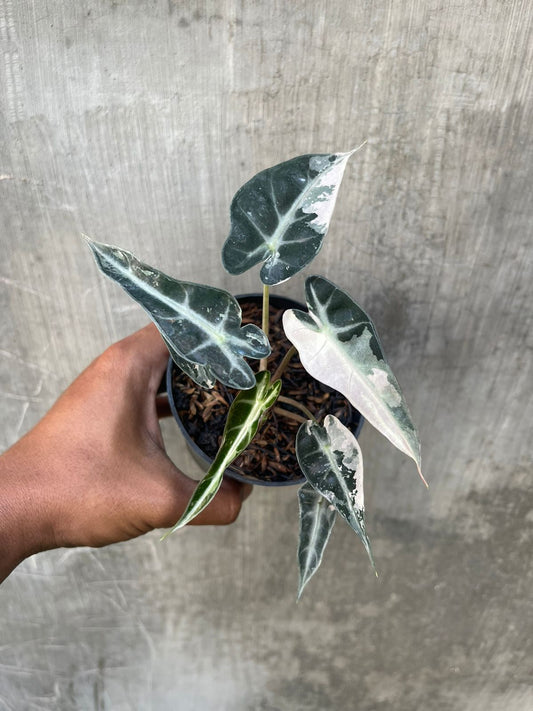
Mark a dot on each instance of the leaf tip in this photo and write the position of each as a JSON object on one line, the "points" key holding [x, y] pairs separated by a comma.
{"points": [[174, 528], [301, 589], [372, 562], [97, 249], [357, 148], [89, 242], [422, 476], [368, 549]]}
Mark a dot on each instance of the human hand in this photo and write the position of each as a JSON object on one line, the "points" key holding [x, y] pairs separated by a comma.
{"points": [[94, 470]]}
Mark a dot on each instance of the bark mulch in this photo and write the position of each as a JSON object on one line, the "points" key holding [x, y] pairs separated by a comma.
{"points": [[271, 455]]}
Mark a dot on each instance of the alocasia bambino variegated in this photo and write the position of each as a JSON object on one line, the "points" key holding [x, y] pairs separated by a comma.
{"points": [[279, 219]]}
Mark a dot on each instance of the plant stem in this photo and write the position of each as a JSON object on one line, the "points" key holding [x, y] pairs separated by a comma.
{"points": [[265, 321], [290, 415], [298, 405], [266, 294], [282, 367]]}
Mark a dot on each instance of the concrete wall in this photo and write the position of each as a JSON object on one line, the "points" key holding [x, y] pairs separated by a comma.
{"points": [[135, 122]]}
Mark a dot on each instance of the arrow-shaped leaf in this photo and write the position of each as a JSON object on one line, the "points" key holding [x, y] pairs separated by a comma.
{"points": [[332, 462], [339, 346], [281, 216], [201, 325], [317, 517], [243, 420]]}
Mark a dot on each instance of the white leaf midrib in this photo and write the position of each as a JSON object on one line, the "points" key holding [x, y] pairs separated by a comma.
{"points": [[288, 217], [182, 310]]}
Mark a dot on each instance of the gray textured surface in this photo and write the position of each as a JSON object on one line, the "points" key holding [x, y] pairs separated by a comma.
{"points": [[135, 122]]}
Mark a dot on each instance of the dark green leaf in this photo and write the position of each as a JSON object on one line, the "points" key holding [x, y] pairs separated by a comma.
{"points": [[243, 420], [281, 216], [201, 325], [317, 517]]}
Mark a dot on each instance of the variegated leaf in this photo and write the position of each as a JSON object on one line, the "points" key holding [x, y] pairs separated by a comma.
{"points": [[201, 325], [332, 462], [198, 373], [338, 345], [242, 422], [281, 216], [317, 517]]}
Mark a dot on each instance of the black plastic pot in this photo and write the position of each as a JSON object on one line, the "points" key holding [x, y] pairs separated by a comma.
{"points": [[201, 457]]}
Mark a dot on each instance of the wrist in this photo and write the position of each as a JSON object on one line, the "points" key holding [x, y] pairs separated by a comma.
{"points": [[26, 521]]}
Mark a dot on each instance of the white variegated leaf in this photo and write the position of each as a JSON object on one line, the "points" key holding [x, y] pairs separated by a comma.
{"points": [[331, 460], [242, 422], [200, 325], [339, 346], [317, 517], [281, 216]]}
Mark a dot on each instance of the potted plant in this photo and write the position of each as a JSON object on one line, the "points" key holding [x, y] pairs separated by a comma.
{"points": [[279, 218]]}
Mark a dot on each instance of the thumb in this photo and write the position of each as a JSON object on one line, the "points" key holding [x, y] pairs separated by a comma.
{"points": [[174, 490], [226, 506]]}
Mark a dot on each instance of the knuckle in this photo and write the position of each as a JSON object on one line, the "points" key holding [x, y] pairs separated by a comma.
{"points": [[232, 508], [115, 359]]}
